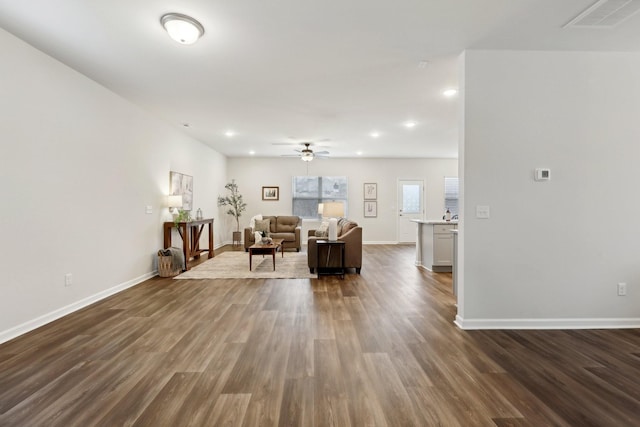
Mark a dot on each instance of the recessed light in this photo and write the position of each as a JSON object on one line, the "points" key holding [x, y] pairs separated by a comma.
{"points": [[252, 152], [229, 133], [410, 124], [186, 125], [359, 153], [374, 134], [450, 92]]}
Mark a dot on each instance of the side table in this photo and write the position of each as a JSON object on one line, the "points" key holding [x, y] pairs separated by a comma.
{"points": [[330, 257]]}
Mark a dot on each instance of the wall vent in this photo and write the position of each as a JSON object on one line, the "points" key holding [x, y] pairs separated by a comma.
{"points": [[605, 14]]}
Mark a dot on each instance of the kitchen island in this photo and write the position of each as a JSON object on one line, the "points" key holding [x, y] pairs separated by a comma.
{"points": [[434, 244]]}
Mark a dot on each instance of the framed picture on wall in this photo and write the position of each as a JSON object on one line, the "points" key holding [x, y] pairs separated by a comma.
{"points": [[370, 191], [370, 209], [182, 185], [270, 193]]}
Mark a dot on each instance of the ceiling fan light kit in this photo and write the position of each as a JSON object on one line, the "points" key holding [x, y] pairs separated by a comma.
{"points": [[182, 28], [306, 154]]}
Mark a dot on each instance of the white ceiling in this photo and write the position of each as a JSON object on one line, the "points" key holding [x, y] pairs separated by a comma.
{"points": [[282, 71]]}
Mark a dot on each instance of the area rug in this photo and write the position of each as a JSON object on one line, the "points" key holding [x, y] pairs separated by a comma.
{"points": [[235, 265]]}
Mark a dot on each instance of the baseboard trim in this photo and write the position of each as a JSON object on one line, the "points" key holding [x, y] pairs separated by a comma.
{"points": [[61, 312], [380, 242], [612, 323]]}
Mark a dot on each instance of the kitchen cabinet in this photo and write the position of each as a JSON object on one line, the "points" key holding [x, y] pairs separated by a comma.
{"points": [[434, 245]]}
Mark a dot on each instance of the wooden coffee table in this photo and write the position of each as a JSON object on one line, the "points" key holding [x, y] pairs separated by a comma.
{"points": [[271, 248]]}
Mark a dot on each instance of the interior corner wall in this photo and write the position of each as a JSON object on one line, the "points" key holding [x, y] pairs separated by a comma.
{"points": [[552, 253], [253, 173], [79, 166]]}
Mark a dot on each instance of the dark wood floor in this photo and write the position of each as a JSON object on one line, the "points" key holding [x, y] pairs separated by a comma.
{"points": [[376, 349]]}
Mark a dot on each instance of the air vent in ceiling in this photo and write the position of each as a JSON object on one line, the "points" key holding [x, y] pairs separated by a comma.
{"points": [[605, 14]]}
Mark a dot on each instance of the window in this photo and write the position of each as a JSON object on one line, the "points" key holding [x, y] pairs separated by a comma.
{"points": [[309, 191], [451, 194]]}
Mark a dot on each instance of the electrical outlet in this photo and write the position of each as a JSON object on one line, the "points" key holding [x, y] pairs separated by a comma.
{"points": [[68, 279], [622, 289]]}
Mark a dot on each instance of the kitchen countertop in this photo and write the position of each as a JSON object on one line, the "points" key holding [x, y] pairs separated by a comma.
{"points": [[434, 222]]}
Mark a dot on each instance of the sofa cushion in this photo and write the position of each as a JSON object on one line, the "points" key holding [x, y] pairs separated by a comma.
{"points": [[263, 225], [287, 237], [323, 230], [286, 224]]}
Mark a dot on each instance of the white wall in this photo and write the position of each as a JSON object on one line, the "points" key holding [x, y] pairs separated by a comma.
{"points": [[552, 253], [253, 173], [79, 164]]}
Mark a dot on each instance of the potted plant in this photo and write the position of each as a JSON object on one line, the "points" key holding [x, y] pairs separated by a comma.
{"points": [[236, 206], [182, 216]]}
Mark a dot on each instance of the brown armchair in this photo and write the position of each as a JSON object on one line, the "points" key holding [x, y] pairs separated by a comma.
{"points": [[348, 232]]}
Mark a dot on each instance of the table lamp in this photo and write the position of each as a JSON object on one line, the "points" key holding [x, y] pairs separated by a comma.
{"points": [[332, 210], [174, 201]]}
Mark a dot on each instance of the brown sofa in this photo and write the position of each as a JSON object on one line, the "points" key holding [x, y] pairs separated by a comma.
{"points": [[351, 234], [280, 227]]}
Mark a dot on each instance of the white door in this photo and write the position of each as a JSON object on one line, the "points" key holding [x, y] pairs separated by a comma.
{"points": [[410, 206]]}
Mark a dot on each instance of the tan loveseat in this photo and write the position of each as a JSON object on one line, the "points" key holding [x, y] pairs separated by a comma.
{"points": [[351, 234], [280, 227]]}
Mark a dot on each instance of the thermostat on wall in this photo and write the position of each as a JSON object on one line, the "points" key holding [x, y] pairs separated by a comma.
{"points": [[543, 174]]}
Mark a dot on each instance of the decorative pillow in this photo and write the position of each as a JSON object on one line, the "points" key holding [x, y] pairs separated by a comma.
{"points": [[263, 225], [257, 236], [348, 225], [323, 231], [252, 222]]}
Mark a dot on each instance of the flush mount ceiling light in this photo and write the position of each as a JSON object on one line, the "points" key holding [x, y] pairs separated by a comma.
{"points": [[182, 28], [450, 92], [410, 124]]}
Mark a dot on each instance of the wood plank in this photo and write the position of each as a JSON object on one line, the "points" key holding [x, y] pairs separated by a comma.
{"points": [[330, 405]]}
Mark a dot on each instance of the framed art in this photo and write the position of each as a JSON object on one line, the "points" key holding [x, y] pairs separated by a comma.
{"points": [[270, 193], [370, 209], [182, 185], [370, 191]]}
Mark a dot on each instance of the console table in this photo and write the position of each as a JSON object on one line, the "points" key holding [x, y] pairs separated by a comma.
{"points": [[190, 233]]}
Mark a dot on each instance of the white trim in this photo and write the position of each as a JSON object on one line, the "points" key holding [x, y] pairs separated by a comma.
{"points": [[613, 323], [16, 331]]}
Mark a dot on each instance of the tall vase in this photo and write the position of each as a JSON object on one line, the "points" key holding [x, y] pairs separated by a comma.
{"points": [[333, 229]]}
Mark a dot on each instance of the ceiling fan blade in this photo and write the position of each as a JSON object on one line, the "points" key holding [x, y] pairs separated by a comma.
{"points": [[289, 155], [321, 153]]}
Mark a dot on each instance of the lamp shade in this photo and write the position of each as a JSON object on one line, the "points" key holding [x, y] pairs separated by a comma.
{"points": [[182, 28], [175, 201], [333, 209]]}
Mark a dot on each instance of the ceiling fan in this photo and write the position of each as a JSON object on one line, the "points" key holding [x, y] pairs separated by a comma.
{"points": [[307, 154]]}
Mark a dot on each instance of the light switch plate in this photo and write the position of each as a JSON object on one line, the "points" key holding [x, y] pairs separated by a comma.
{"points": [[149, 209], [482, 212]]}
